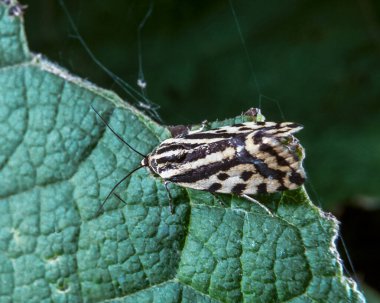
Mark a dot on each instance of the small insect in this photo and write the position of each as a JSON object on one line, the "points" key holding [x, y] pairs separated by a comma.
{"points": [[242, 159], [16, 10]]}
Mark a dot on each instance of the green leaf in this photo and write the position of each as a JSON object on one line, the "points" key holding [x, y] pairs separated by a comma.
{"points": [[58, 161], [13, 45]]}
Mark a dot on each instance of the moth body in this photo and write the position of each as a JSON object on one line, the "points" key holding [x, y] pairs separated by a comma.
{"points": [[243, 159]]}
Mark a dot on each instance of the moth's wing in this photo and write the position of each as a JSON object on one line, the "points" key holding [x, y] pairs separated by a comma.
{"points": [[276, 161], [229, 131], [265, 160], [247, 158], [277, 130], [183, 157]]}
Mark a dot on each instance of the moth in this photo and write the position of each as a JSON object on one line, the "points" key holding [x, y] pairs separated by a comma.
{"points": [[243, 159]]}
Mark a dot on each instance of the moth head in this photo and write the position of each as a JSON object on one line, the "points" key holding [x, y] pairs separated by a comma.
{"points": [[151, 163], [144, 162]]}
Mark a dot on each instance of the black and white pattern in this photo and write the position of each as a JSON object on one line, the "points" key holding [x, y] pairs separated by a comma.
{"points": [[242, 159]]}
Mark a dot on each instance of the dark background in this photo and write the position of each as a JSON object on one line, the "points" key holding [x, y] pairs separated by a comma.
{"points": [[316, 63]]}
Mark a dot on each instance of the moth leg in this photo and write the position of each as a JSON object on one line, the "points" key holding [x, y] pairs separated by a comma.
{"points": [[220, 201], [204, 125], [170, 197], [258, 203], [197, 128], [117, 196]]}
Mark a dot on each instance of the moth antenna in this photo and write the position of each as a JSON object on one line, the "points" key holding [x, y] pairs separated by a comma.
{"points": [[116, 134], [117, 196], [116, 185]]}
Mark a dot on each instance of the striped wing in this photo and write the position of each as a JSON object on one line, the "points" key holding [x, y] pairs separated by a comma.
{"points": [[245, 158]]}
